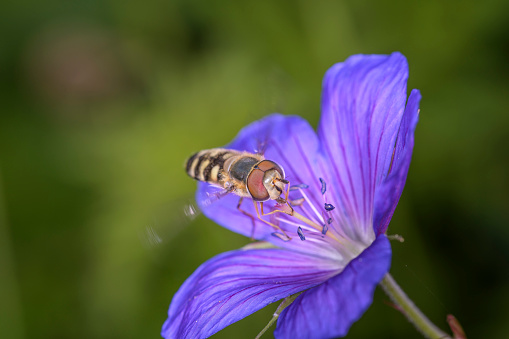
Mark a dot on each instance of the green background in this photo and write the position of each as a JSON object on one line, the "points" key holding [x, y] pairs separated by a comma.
{"points": [[103, 101]]}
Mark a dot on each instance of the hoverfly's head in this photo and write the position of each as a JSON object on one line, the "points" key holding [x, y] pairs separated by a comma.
{"points": [[266, 181]]}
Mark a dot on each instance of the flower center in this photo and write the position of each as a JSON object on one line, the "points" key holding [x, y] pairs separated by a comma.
{"points": [[319, 220]]}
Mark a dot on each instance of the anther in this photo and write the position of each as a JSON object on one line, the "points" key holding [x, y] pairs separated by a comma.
{"points": [[281, 236], [297, 202], [301, 235], [296, 187], [324, 185], [325, 229], [329, 207], [329, 221]]}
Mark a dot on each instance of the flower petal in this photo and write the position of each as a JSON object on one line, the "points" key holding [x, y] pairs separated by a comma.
{"points": [[235, 284], [362, 104], [328, 310], [287, 140], [388, 193]]}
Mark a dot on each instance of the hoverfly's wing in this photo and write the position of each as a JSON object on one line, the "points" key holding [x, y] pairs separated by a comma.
{"points": [[213, 194], [168, 221], [261, 146]]}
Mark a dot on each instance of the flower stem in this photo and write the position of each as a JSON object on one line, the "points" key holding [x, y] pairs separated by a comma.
{"points": [[286, 302], [408, 308]]}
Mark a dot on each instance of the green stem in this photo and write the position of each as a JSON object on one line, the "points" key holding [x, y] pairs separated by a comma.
{"points": [[286, 302], [408, 308]]}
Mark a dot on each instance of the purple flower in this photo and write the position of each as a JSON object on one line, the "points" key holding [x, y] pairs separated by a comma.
{"points": [[350, 173]]}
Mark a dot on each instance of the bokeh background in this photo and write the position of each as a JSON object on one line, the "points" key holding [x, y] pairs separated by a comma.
{"points": [[102, 101]]}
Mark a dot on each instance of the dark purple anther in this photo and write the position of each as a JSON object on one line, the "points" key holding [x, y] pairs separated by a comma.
{"points": [[296, 187], [301, 235], [324, 185], [329, 207], [325, 229]]}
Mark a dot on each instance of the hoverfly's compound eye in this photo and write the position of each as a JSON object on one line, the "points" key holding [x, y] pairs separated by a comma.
{"points": [[266, 165], [255, 185], [261, 182]]}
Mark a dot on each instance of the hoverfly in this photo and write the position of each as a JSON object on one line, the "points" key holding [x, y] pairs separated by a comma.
{"points": [[245, 174]]}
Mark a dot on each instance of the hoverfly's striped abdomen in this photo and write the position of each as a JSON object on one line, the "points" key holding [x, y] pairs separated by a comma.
{"points": [[208, 165], [225, 168]]}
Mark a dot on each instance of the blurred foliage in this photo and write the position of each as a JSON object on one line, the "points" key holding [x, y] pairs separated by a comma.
{"points": [[102, 101]]}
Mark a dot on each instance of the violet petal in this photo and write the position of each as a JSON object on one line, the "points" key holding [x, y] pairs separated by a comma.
{"points": [[328, 310], [363, 100], [235, 284], [388, 193]]}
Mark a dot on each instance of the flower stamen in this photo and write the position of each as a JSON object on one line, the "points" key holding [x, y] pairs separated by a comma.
{"points": [[312, 206], [280, 236], [329, 207], [297, 202], [289, 222], [325, 229], [324, 186], [298, 187], [313, 224], [301, 235]]}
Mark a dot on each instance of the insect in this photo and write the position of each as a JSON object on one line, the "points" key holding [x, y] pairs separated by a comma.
{"points": [[245, 174]]}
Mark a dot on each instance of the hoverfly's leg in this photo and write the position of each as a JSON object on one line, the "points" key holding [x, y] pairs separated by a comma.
{"points": [[249, 215], [268, 222], [287, 189], [284, 200], [280, 211]]}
